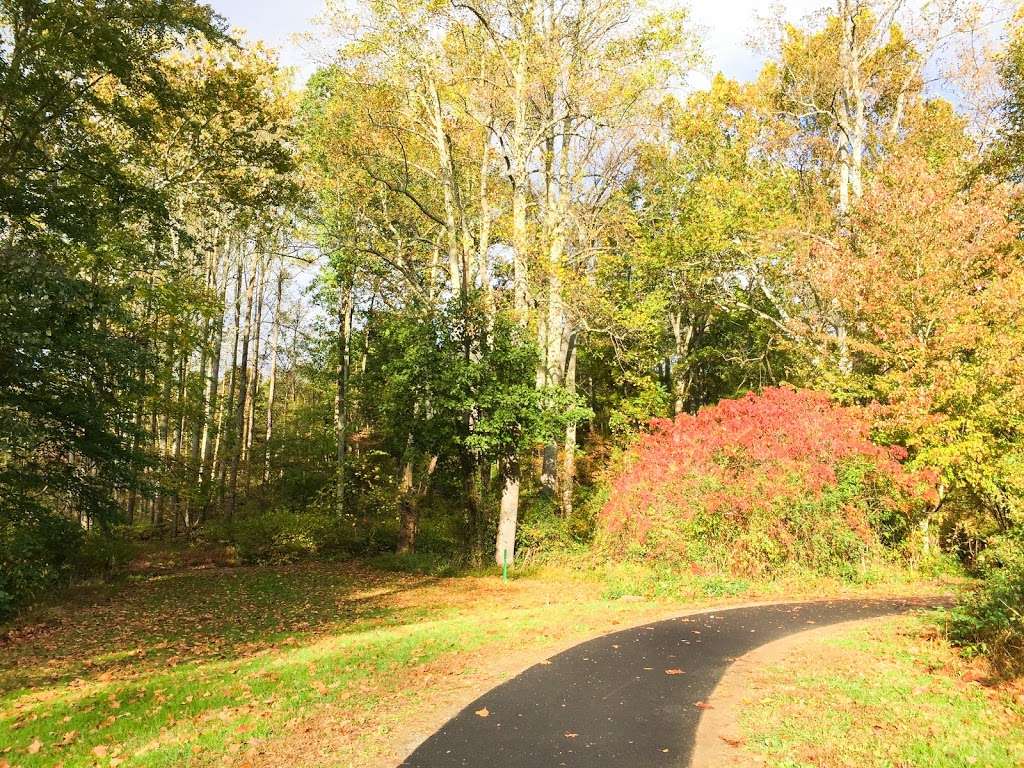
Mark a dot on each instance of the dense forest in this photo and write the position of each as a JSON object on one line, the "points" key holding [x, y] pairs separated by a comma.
{"points": [[496, 284]]}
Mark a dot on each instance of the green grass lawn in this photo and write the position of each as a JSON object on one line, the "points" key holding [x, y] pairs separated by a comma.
{"points": [[208, 667], [303, 665], [887, 695]]}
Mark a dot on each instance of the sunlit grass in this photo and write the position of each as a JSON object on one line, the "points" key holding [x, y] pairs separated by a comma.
{"points": [[891, 694], [204, 667], [193, 669]]}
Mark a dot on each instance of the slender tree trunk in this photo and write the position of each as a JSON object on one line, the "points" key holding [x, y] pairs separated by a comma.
{"points": [[408, 517], [344, 320], [199, 423], [520, 174], [681, 376], [210, 422], [254, 387], [567, 481], [179, 441], [474, 508], [456, 259], [508, 512], [163, 434], [275, 335], [243, 381], [508, 508], [223, 432], [411, 493], [133, 492]]}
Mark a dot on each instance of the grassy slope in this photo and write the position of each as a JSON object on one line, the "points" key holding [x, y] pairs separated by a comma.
{"points": [[889, 694], [311, 664]]}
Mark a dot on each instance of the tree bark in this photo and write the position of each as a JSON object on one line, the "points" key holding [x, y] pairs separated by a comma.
{"points": [[254, 387], [344, 320], [275, 336], [567, 481], [213, 391], [508, 513], [410, 494], [243, 382], [222, 431]]}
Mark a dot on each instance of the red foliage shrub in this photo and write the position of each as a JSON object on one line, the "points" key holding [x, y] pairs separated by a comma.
{"points": [[752, 455]]}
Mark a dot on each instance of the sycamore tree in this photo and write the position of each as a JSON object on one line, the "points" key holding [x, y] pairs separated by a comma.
{"points": [[493, 141]]}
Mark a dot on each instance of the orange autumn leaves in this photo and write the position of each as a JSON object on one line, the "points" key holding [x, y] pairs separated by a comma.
{"points": [[925, 271], [928, 284]]}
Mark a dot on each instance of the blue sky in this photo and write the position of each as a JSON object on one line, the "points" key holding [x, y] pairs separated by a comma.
{"points": [[727, 25]]}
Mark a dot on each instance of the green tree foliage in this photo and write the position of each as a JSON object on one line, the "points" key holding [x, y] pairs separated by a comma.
{"points": [[81, 88], [110, 128], [705, 199]]}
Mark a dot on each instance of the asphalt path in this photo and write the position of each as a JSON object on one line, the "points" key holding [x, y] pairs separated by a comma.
{"points": [[631, 699]]}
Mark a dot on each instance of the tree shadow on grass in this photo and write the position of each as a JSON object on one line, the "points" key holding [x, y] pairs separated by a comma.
{"points": [[110, 632]]}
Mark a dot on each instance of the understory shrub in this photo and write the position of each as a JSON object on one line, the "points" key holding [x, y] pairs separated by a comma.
{"points": [[545, 533], [990, 619], [38, 550], [284, 536], [763, 483]]}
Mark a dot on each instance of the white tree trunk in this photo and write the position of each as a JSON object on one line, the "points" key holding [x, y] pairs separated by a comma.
{"points": [[508, 514], [275, 336]]}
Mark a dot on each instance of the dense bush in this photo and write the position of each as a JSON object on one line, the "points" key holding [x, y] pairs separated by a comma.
{"points": [[545, 533], [761, 483], [283, 536], [990, 620], [37, 550]]}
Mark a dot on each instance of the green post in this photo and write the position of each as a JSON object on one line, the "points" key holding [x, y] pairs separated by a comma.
{"points": [[504, 565]]}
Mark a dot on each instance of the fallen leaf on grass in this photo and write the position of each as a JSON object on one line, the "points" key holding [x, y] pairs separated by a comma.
{"points": [[973, 676], [35, 746], [100, 750], [482, 712], [69, 738]]}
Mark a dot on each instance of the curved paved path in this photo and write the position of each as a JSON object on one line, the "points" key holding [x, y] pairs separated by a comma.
{"points": [[625, 700]]}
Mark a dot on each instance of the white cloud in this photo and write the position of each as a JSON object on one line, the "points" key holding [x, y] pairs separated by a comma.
{"points": [[727, 26]]}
